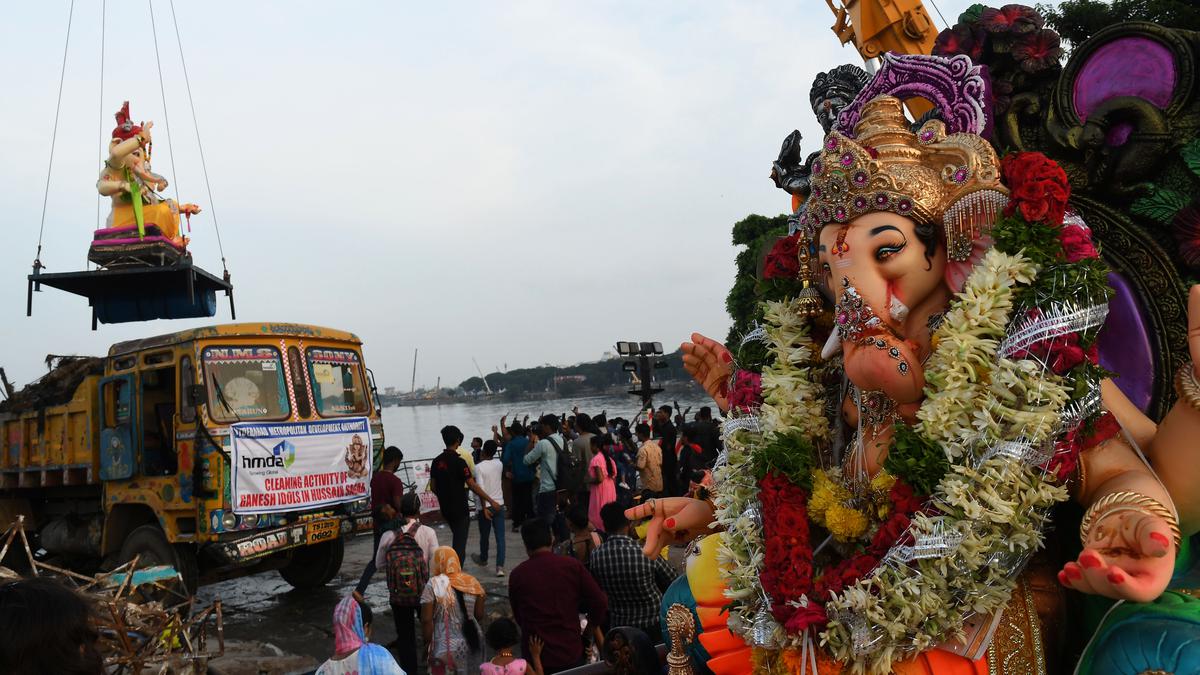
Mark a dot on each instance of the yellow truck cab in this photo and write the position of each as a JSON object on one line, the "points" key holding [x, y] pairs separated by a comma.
{"points": [[222, 451]]}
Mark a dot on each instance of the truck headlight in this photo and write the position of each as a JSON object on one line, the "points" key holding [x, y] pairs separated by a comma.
{"points": [[229, 521]]}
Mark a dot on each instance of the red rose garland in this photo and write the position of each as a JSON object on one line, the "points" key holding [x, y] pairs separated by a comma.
{"points": [[783, 262]]}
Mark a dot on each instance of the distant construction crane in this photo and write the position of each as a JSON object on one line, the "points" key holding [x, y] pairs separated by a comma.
{"points": [[486, 388]]}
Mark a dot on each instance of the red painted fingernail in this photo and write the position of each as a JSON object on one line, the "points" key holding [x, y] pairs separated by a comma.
{"points": [[1116, 577], [669, 522], [727, 357], [1089, 560], [1160, 538], [1073, 573], [1062, 579]]}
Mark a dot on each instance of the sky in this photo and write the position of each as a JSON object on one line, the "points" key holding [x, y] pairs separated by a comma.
{"points": [[521, 183]]}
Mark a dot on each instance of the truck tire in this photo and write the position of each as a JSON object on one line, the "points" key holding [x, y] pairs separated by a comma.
{"points": [[313, 566], [152, 548]]}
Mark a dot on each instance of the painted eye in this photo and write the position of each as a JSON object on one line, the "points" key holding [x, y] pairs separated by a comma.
{"points": [[884, 252]]}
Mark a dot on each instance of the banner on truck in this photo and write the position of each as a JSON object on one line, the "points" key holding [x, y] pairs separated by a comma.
{"points": [[291, 466]]}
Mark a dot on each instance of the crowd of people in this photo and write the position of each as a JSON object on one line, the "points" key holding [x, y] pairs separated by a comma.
{"points": [[569, 480], [565, 482]]}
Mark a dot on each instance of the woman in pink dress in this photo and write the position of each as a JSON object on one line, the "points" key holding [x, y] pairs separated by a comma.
{"points": [[601, 472]]}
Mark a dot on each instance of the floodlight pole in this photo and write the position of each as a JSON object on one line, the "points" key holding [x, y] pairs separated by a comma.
{"points": [[644, 365]]}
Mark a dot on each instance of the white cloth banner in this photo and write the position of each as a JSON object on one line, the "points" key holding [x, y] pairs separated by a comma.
{"points": [[292, 466]]}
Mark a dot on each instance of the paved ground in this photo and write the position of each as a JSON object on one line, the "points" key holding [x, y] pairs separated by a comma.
{"points": [[274, 629]]}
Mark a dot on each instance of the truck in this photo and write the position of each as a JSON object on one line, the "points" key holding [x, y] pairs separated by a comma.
{"points": [[131, 454]]}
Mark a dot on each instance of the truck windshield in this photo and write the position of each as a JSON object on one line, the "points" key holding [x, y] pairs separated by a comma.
{"points": [[245, 383], [337, 382]]}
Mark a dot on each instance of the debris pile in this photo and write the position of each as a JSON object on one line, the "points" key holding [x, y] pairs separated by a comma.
{"points": [[146, 620]]}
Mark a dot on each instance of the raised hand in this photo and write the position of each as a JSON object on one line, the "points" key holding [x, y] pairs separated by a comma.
{"points": [[1126, 558], [674, 520], [710, 364]]}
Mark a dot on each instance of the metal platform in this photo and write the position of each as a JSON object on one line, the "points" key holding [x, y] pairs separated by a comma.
{"points": [[140, 293]]}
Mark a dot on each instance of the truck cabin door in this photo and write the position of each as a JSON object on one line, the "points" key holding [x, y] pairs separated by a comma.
{"points": [[117, 427]]}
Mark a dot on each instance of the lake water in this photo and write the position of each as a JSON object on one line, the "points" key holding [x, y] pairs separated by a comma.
{"points": [[417, 429]]}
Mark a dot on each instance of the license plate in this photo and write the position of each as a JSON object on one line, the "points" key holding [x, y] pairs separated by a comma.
{"points": [[322, 530]]}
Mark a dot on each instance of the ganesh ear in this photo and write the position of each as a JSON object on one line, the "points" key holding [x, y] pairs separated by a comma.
{"points": [[957, 272]]}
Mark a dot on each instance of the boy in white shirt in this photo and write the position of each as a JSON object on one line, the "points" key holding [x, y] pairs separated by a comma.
{"points": [[489, 476]]}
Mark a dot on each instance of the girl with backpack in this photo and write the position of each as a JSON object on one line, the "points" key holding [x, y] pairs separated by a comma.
{"points": [[451, 631], [406, 554]]}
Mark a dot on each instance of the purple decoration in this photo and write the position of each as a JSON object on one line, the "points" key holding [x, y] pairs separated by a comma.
{"points": [[1129, 66], [904, 205], [957, 86], [1125, 346], [961, 175], [831, 144]]}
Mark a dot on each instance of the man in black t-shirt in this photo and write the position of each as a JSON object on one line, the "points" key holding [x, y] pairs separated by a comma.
{"points": [[664, 431], [449, 479]]}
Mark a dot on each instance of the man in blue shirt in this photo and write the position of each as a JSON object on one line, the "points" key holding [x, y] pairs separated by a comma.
{"points": [[521, 474], [544, 456]]}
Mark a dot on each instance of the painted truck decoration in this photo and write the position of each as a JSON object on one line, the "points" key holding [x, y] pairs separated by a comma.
{"points": [[222, 451]]}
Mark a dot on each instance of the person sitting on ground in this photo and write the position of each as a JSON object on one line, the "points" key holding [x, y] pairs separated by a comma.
{"points": [[547, 593], [503, 636], [489, 474], [633, 583], [46, 627], [406, 554], [386, 491], [584, 538], [602, 472], [353, 653], [450, 630]]}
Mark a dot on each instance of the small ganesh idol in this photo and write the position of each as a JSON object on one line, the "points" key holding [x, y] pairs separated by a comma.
{"points": [[930, 402], [128, 179]]}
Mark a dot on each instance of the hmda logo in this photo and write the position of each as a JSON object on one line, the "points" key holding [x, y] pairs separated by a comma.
{"points": [[282, 456]]}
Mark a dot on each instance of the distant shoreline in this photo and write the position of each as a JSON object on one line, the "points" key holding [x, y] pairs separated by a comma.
{"points": [[677, 387]]}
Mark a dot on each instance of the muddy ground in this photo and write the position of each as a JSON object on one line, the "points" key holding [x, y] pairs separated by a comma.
{"points": [[273, 629]]}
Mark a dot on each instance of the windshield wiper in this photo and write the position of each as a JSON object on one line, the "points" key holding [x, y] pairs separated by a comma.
{"points": [[221, 397]]}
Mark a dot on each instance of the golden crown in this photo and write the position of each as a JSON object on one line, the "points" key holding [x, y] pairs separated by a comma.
{"points": [[928, 176]]}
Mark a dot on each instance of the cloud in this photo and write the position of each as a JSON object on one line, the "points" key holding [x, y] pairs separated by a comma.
{"points": [[519, 182]]}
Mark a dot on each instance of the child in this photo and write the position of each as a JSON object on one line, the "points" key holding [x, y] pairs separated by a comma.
{"points": [[502, 636]]}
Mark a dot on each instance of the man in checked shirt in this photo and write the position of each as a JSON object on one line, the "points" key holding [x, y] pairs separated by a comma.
{"points": [[633, 583]]}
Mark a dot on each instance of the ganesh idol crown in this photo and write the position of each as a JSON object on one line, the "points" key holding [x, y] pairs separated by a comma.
{"points": [[932, 463]]}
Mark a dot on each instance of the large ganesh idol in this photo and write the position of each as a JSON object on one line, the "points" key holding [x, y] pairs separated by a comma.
{"points": [[932, 394]]}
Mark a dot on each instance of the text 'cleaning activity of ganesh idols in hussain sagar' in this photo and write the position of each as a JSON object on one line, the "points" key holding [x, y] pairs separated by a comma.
{"points": [[938, 414]]}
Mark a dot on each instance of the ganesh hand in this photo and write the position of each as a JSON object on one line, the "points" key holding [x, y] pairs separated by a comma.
{"points": [[710, 364], [1129, 556], [884, 362], [675, 520]]}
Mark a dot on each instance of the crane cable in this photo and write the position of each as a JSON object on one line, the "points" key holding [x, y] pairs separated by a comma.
{"points": [[163, 91], [196, 125], [37, 259], [100, 132]]}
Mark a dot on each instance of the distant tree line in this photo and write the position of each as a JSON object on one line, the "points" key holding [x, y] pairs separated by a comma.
{"points": [[598, 376]]}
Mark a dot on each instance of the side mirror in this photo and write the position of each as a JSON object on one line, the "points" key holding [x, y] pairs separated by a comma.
{"points": [[196, 394]]}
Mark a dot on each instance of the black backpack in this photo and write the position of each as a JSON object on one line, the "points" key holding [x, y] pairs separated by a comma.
{"points": [[407, 569], [566, 466]]}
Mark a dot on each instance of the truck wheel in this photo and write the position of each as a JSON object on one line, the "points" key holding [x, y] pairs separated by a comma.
{"points": [[313, 566], [152, 548]]}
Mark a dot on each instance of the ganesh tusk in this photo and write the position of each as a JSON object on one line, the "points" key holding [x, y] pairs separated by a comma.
{"points": [[832, 346]]}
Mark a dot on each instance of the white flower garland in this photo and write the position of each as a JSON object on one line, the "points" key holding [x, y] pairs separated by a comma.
{"points": [[791, 401], [995, 503]]}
